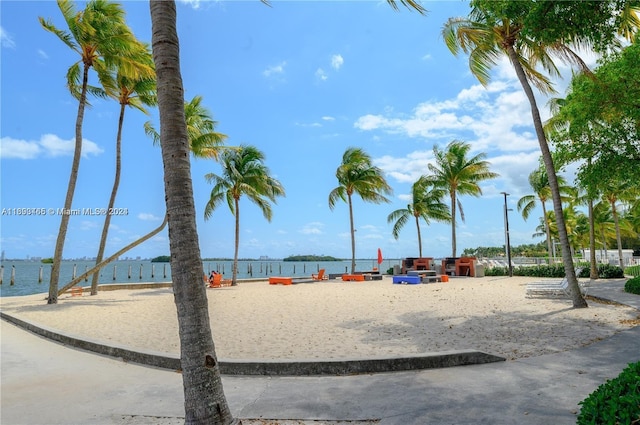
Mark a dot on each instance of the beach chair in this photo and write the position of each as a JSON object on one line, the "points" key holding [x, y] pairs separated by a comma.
{"points": [[548, 288], [216, 282], [319, 276], [552, 287]]}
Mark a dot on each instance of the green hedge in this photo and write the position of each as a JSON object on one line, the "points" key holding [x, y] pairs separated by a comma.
{"points": [[632, 286], [632, 271], [605, 271], [617, 401]]}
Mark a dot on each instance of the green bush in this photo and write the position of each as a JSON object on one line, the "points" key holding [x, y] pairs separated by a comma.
{"points": [[632, 286], [607, 271], [617, 401], [496, 271]]}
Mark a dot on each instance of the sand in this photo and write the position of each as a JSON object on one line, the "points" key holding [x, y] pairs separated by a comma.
{"points": [[339, 320]]}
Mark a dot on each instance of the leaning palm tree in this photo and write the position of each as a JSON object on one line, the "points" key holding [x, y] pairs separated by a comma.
{"points": [[457, 174], [204, 140], [243, 173], [357, 174], [102, 39], [539, 182], [490, 32], [136, 91], [426, 203]]}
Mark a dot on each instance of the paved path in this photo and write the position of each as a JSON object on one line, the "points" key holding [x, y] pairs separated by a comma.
{"points": [[46, 383]]}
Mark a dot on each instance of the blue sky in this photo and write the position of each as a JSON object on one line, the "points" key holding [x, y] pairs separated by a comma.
{"points": [[302, 81]]}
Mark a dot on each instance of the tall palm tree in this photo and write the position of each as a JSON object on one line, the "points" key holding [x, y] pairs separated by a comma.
{"points": [[100, 36], [243, 173], [204, 140], [357, 174], [457, 174], [204, 399], [485, 36], [135, 91], [539, 182], [426, 203]]}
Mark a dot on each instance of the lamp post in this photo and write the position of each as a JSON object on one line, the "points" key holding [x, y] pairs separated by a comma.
{"points": [[506, 234]]}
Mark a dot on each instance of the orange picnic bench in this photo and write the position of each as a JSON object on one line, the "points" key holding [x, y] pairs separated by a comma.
{"points": [[353, 277], [274, 280]]}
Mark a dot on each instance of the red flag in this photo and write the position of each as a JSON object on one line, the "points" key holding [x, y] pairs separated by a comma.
{"points": [[379, 256]]}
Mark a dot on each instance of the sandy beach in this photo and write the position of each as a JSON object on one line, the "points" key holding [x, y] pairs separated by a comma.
{"points": [[340, 320]]}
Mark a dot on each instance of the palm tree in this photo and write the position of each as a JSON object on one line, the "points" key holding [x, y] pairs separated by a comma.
{"points": [[357, 174], [204, 399], [459, 175], [539, 182], [135, 91], [204, 140], [485, 36], [426, 203], [243, 173], [102, 39]]}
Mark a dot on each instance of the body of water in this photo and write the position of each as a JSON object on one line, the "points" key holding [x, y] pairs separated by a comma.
{"points": [[26, 274]]}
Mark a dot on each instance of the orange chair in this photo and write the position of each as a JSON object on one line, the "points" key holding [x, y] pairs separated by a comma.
{"points": [[215, 282], [319, 276]]}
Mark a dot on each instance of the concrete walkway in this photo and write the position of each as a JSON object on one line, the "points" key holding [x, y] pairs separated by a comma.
{"points": [[47, 383]]}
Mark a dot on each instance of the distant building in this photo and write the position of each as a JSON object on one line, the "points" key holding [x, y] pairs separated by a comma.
{"points": [[610, 255]]}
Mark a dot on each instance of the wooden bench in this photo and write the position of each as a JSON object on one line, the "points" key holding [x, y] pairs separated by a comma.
{"points": [[274, 280], [353, 277], [77, 291]]}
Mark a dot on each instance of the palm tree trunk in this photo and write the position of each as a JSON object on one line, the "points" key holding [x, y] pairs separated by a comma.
{"points": [[234, 275], [593, 269], [353, 236], [112, 201], [204, 398], [547, 230], [419, 236], [614, 212], [453, 223], [71, 188], [567, 259]]}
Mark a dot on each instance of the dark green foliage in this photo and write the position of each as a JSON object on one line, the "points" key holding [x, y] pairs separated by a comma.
{"points": [[311, 258], [607, 271], [161, 259], [632, 286], [617, 401]]}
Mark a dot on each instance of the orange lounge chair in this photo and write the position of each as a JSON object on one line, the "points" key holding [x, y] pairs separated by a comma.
{"points": [[319, 276]]}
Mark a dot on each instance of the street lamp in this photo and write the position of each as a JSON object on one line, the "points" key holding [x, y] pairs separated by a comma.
{"points": [[506, 234]]}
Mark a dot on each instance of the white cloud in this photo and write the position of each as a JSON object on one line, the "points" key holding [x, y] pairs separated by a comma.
{"points": [[313, 228], [148, 217], [195, 4], [275, 70], [48, 145], [337, 61], [43, 54], [328, 118], [6, 39], [321, 74]]}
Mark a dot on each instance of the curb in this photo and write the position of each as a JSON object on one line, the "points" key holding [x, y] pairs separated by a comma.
{"points": [[270, 368]]}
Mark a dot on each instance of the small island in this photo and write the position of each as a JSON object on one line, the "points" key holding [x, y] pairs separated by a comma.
{"points": [[311, 258], [161, 259]]}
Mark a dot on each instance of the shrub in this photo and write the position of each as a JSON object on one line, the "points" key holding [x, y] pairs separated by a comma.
{"points": [[496, 271], [607, 271], [632, 286], [617, 401]]}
